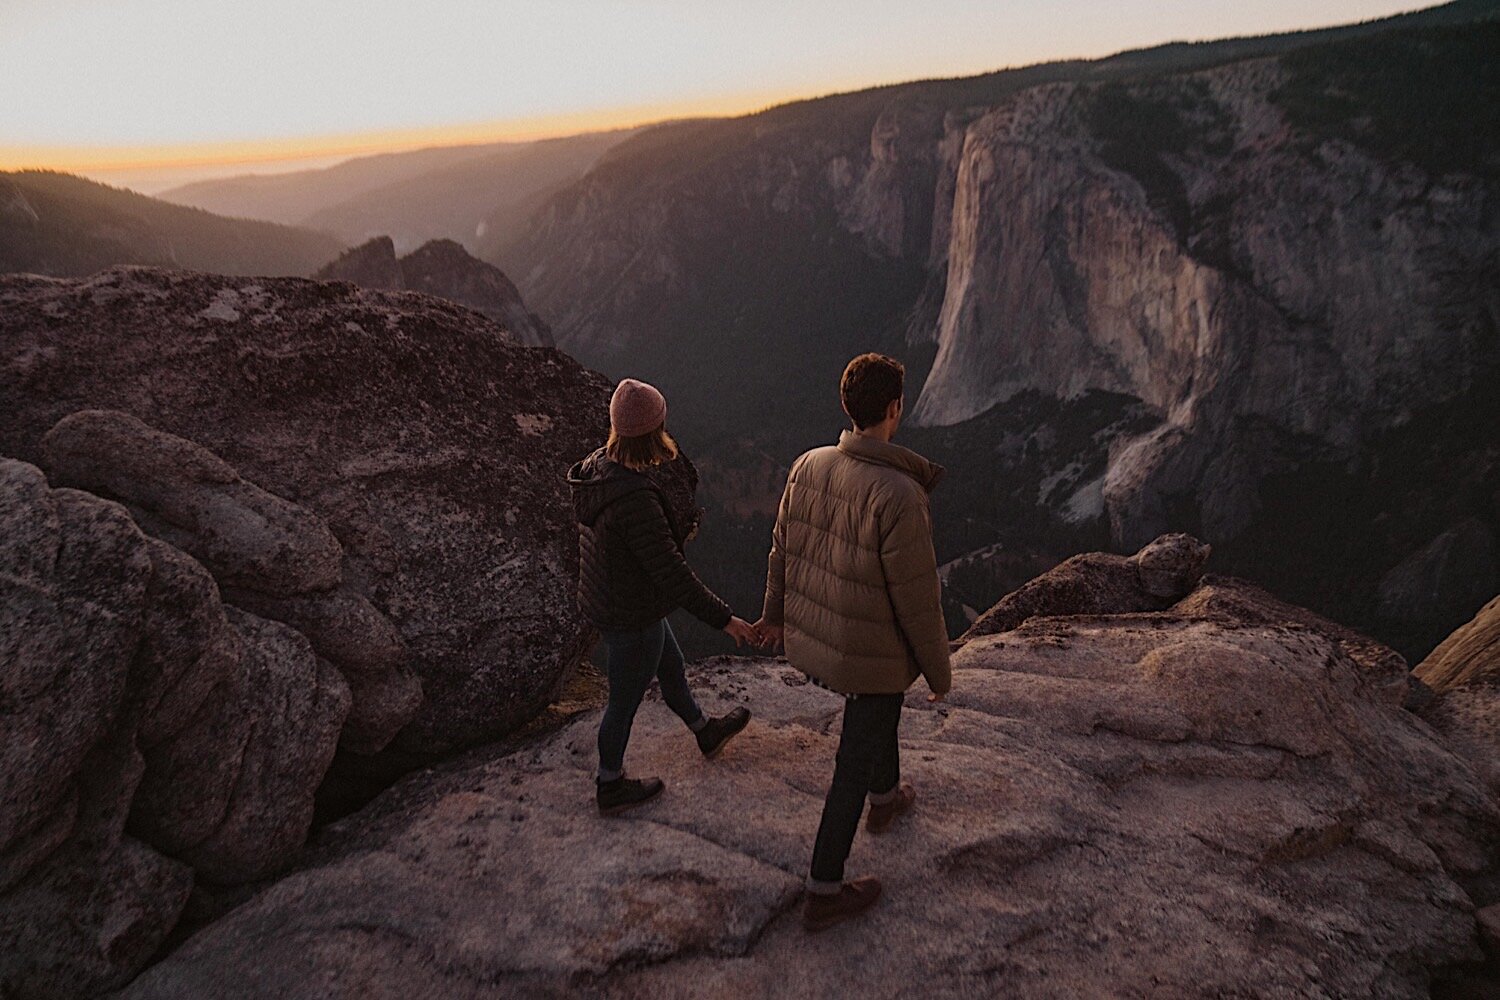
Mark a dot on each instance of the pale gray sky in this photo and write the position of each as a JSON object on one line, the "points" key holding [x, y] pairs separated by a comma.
{"points": [[111, 81]]}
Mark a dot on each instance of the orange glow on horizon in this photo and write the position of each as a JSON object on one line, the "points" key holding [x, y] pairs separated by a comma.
{"points": [[333, 147]]}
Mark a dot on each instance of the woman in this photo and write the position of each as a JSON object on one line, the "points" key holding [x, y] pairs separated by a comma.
{"points": [[631, 573]]}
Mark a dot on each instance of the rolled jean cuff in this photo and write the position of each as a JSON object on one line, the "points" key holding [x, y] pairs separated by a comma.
{"points": [[820, 888], [885, 798], [608, 776]]}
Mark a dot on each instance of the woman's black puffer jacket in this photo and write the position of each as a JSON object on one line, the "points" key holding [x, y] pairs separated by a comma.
{"points": [[631, 570]]}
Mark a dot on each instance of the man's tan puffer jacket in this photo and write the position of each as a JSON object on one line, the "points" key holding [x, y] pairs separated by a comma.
{"points": [[852, 575]]}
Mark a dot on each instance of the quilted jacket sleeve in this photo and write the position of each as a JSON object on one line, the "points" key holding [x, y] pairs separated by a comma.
{"points": [[774, 608], [643, 521], [911, 579]]}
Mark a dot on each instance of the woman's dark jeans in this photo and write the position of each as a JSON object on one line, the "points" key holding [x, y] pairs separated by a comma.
{"points": [[869, 761], [635, 658]]}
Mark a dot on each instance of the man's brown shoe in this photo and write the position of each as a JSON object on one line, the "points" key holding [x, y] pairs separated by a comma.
{"points": [[883, 815], [822, 911]]}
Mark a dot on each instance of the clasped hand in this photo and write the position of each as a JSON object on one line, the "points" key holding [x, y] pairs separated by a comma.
{"points": [[762, 635]]}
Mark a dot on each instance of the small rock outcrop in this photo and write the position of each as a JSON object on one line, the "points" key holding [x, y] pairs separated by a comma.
{"points": [[1464, 671], [1225, 598], [445, 269], [1165, 578], [1101, 583], [1471, 653], [429, 445], [152, 737]]}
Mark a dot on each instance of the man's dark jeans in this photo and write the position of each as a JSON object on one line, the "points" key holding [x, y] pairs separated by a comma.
{"points": [[635, 658], [869, 761]]}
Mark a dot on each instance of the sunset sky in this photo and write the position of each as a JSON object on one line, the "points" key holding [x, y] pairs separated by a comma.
{"points": [[150, 92]]}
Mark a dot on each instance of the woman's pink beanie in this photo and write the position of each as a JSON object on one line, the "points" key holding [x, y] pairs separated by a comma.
{"points": [[636, 408]]}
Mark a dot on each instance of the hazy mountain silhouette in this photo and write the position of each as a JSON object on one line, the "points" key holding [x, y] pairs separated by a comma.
{"points": [[465, 193], [445, 269], [60, 224]]}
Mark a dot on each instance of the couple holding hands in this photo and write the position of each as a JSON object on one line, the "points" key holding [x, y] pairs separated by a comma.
{"points": [[852, 594]]}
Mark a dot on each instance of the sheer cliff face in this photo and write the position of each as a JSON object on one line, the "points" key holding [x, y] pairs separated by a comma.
{"points": [[1059, 276], [1243, 282], [1235, 246]]}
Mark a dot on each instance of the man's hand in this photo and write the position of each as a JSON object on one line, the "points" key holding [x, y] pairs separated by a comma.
{"points": [[770, 635], [742, 632], [938, 697]]}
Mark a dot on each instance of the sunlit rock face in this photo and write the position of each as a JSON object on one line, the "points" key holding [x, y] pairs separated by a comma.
{"points": [[1249, 285], [1471, 655]]}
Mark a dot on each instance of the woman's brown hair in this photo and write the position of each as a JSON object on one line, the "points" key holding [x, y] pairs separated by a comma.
{"points": [[642, 450]]}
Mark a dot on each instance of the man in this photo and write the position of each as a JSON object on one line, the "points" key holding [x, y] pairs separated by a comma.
{"points": [[852, 592]]}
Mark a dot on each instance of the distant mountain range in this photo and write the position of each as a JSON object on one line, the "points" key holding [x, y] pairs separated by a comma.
{"points": [[1211, 287], [61, 225], [472, 194]]}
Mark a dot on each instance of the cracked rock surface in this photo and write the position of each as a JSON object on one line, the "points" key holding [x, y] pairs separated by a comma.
{"points": [[419, 434], [148, 736], [1130, 805]]}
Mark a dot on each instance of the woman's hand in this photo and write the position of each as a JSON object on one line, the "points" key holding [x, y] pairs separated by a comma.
{"points": [[741, 632]]}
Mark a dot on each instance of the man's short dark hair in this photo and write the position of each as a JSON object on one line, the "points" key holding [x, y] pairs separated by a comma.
{"points": [[871, 383]]}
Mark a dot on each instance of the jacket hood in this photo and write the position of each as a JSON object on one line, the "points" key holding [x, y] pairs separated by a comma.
{"points": [[599, 481], [868, 449]]}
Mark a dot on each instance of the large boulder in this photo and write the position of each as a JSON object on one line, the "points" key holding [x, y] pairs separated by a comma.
{"points": [[1138, 805], [346, 630], [296, 702], [74, 571], [150, 736], [271, 556], [193, 728], [430, 443], [185, 494], [82, 903]]}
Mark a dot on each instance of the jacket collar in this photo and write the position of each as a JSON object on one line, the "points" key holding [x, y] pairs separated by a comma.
{"points": [[868, 449]]}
